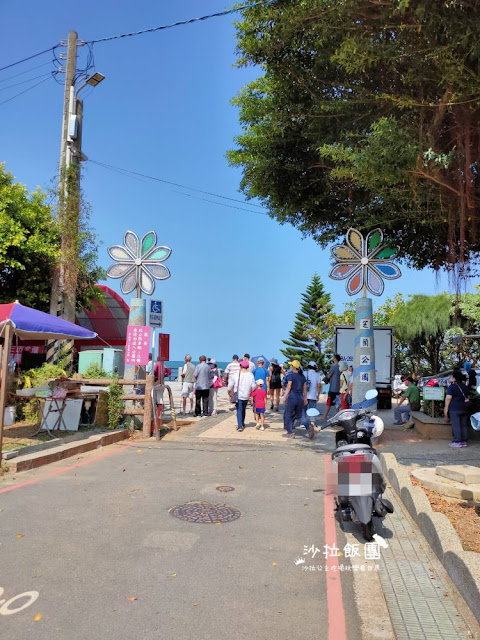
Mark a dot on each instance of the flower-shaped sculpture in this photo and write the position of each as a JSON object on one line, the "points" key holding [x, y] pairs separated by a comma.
{"points": [[139, 263], [365, 262]]}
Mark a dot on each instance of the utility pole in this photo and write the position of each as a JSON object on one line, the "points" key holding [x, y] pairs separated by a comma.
{"points": [[60, 277]]}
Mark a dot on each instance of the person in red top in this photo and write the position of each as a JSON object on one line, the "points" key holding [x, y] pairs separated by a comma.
{"points": [[259, 396]]}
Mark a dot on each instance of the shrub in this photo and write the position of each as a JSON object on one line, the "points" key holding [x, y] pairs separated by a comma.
{"points": [[115, 404], [94, 372]]}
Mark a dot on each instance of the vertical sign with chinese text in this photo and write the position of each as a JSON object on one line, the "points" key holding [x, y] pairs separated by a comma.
{"points": [[137, 346]]}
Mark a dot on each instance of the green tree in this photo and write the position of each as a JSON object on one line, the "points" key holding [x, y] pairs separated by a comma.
{"points": [[30, 248], [366, 113], [422, 323], [310, 332]]}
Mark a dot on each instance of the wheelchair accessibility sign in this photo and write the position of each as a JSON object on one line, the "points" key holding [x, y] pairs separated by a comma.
{"points": [[156, 313]]}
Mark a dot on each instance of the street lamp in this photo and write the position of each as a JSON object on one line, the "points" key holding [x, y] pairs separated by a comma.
{"points": [[64, 282]]}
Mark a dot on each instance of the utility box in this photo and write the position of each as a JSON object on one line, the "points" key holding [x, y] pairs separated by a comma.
{"points": [[111, 360], [87, 358]]}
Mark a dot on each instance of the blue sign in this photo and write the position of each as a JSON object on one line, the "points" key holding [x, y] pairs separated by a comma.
{"points": [[156, 313]]}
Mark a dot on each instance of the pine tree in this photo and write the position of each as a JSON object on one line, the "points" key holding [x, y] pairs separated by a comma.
{"points": [[310, 331]]}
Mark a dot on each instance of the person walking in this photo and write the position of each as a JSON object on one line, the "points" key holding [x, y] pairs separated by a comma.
{"points": [[187, 376], [262, 373], [231, 374], [149, 367], [314, 384], [295, 400], [259, 396], [216, 383], [275, 371], [251, 365], [343, 384], [245, 386], [203, 379], [456, 403], [334, 379]]}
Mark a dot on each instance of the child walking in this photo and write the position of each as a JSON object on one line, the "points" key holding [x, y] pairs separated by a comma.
{"points": [[259, 396]]}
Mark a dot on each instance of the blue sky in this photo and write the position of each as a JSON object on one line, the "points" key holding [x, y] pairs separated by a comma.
{"points": [[164, 110]]}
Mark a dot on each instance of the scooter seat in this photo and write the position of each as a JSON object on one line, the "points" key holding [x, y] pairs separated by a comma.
{"points": [[353, 448]]}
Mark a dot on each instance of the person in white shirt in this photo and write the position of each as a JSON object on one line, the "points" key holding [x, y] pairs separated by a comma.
{"points": [[231, 374], [314, 384], [245, 386], [149, 368], [251, 365], [188, 383]]}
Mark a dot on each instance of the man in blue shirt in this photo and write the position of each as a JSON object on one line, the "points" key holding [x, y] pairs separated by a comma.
{"points": [[296, 400], [261, 373]]}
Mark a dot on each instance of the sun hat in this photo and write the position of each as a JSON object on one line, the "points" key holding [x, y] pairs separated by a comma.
{"points": [[213, 361], [312, 364], [260, 359], [274, 361], [259, 382], [295, 363], [244, 364]]}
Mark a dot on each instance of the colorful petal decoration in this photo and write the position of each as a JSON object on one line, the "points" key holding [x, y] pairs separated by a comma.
{"points": [[342, 252], [138, 263], [343, 270], [355, 284], [355, 240], [365, 262]]}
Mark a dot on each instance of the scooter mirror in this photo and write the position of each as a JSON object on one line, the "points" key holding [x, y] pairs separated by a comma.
{"points": [[313, 413], [371, 394], [478, 389]]}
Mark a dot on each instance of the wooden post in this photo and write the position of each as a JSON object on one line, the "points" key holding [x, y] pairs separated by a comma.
{"points": [[7, 342], [148, 407]]}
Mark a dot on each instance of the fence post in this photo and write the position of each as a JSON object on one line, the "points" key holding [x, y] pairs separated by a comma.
{"points": [[148, 407]]}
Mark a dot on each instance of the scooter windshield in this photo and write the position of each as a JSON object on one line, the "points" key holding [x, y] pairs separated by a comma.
{"points": [[358, 474]]}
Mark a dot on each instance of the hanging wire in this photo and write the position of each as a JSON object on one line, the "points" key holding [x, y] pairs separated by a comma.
{"points": [[42, 75], [182, 186], [184, 22], [27, 71], [29, 88], [35, 55]]}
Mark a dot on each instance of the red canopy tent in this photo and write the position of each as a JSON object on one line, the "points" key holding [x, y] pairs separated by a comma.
{"points": [[109, 321]]}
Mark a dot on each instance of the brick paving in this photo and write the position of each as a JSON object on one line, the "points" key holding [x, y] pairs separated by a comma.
{"points": [[419, 598]]}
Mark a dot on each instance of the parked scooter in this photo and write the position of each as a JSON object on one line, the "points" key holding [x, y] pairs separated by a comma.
{"points": [[359, 471]]}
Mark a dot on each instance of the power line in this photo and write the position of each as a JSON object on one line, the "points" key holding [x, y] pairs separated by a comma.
{"points": [[28, 89], [176, 184], [27, 71], [42, 75], [136, 175], [151, 30], [184, 22], [35, 55]]}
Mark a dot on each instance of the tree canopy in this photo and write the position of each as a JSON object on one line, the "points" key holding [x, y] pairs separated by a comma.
{"points": [[311, 330], [366, 114], [30, 248]]}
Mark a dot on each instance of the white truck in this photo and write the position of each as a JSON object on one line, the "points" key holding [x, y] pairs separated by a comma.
{"points": [[384, 357]]}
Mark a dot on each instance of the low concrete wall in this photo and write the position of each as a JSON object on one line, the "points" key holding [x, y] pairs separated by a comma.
{"points": [[463, 567], [40, 458], [431, 428]]}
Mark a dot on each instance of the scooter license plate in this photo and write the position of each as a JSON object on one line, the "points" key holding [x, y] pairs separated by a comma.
{"points": [[357, 475]]}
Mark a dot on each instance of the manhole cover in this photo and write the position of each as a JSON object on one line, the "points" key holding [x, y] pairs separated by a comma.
{"points": [[205, 512], [224, 489]]}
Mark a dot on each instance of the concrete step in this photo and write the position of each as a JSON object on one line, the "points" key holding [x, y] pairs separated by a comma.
{"points": [[446, 487], [40, 458]]}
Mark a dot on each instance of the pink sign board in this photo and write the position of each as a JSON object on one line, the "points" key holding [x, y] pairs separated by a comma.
{"points": [[138, 345]]}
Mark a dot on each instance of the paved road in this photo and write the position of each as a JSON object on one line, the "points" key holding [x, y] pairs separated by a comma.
{"points": [[94, 542], [98, 532]]}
